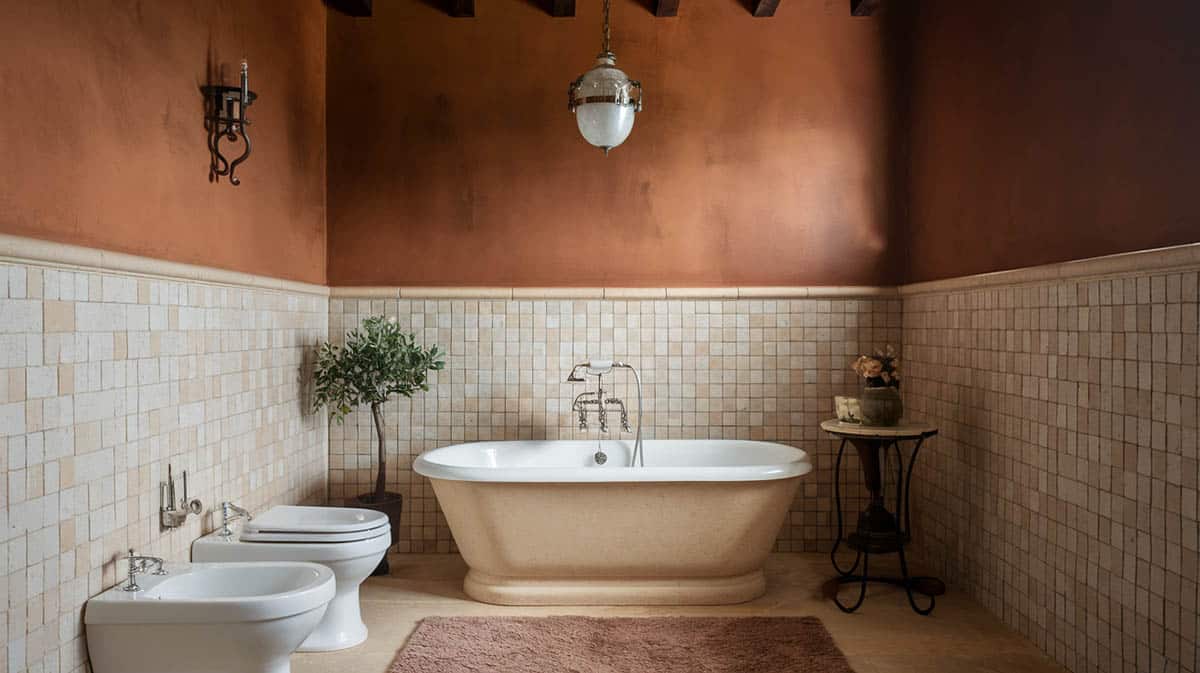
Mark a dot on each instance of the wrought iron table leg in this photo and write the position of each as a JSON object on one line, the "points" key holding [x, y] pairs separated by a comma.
{"points": [[858, 557], [837, 504], [908, 584], [862, 586], [912, 461], [901, 488]]}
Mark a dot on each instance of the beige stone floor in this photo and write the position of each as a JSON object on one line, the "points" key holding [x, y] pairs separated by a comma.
{"points": [[884, 636]]}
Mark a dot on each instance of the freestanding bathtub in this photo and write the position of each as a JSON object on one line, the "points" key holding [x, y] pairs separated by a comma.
{"points": [[541, 523]]}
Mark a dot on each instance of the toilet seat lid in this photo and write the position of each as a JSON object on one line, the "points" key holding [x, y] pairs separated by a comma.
{"points": [[317, 538], [285, 523]]}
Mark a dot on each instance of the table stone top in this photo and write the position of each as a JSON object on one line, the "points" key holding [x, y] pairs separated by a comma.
{"points": [[905, 430]]}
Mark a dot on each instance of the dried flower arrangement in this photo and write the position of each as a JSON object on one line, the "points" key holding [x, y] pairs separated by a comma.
{"points": [[881, 370]]}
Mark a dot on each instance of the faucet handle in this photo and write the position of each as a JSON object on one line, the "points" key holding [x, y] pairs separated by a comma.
{"points": [[135, 567], [226, 517], [230, 512]]}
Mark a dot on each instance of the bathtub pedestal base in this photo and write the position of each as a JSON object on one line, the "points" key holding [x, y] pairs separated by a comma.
{"points": [[615, 590]]}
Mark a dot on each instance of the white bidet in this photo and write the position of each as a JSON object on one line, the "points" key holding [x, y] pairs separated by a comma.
{"points": [[208, 618]]}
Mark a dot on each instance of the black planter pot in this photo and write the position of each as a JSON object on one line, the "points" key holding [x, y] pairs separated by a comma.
{"points": [[391, 505]]}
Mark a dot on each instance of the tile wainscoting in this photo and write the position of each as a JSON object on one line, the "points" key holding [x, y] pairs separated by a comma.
{"points": [[1062, 490], [740, 368], [105, 378]]}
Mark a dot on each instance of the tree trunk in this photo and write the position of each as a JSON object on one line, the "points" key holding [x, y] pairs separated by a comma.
{"points": [[381, 477]]}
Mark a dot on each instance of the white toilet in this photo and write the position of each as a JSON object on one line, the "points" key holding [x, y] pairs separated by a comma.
{"points": [[351, 542]]}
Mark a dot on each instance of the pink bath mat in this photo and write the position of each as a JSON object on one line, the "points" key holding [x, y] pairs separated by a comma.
{"points": [[620, 645]]}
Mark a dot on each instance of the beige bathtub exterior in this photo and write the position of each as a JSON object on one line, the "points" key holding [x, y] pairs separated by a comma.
{"points": [[647, 543]]}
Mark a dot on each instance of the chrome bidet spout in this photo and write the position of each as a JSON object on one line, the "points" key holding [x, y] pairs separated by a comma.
{"points": [[230, 513], [599, 368]]}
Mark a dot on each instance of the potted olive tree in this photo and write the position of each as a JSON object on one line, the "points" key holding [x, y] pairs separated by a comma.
{"points": [[377, 361]]}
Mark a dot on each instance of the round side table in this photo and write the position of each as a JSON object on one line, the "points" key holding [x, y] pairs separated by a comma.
{"points": [[879, 530]]}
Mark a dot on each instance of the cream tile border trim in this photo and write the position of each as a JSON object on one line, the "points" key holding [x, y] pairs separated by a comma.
{"points": [[21, 250], [1174, 258], [543, 292], [633, 293]]}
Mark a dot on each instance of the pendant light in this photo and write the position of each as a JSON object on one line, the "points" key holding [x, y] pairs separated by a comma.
{"points": [[603, 98]]}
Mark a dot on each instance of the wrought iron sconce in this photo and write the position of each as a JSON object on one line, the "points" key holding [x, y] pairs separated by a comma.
{"points": [[225, 118]]}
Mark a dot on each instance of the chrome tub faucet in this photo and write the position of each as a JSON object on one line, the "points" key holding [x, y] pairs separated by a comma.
{"points": [[596, 401]]}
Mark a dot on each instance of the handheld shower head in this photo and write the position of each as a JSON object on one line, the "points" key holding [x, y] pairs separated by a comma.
{"points": [[598, 367], [592, 367]]}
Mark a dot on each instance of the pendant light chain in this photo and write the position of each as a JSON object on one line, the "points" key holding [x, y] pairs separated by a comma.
{"points": [[607, 29]]}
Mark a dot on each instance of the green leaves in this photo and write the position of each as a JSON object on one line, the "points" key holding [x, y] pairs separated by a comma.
{"points": [[377, 361]]}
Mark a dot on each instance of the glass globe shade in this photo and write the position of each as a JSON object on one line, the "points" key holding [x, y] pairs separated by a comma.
{"points": [[604, 125], [604, 107]]}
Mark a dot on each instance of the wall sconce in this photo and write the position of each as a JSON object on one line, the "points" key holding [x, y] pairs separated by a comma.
{"points": [[225, 118]]}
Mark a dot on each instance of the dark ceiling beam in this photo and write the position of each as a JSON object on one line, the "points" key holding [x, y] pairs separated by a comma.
{"points": [[864, 7], [560, 8], [460, 8], [351, 7], [666, 8], [764, 8]]}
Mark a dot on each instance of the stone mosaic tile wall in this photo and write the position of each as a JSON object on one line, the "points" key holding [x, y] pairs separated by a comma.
{"points": [[1062, 491], [104, 380], [737, 369]]}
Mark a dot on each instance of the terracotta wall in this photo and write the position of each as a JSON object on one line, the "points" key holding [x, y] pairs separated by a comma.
{"points": [[102, 130], [766, 154], [762, 156], [1051, 131]]}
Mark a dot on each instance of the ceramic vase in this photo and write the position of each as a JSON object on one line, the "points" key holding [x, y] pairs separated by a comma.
{"points": [[881, 406]]}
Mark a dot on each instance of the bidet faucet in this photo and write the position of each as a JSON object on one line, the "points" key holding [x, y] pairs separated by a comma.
{"points": [[138, 565], [231, 512]]}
